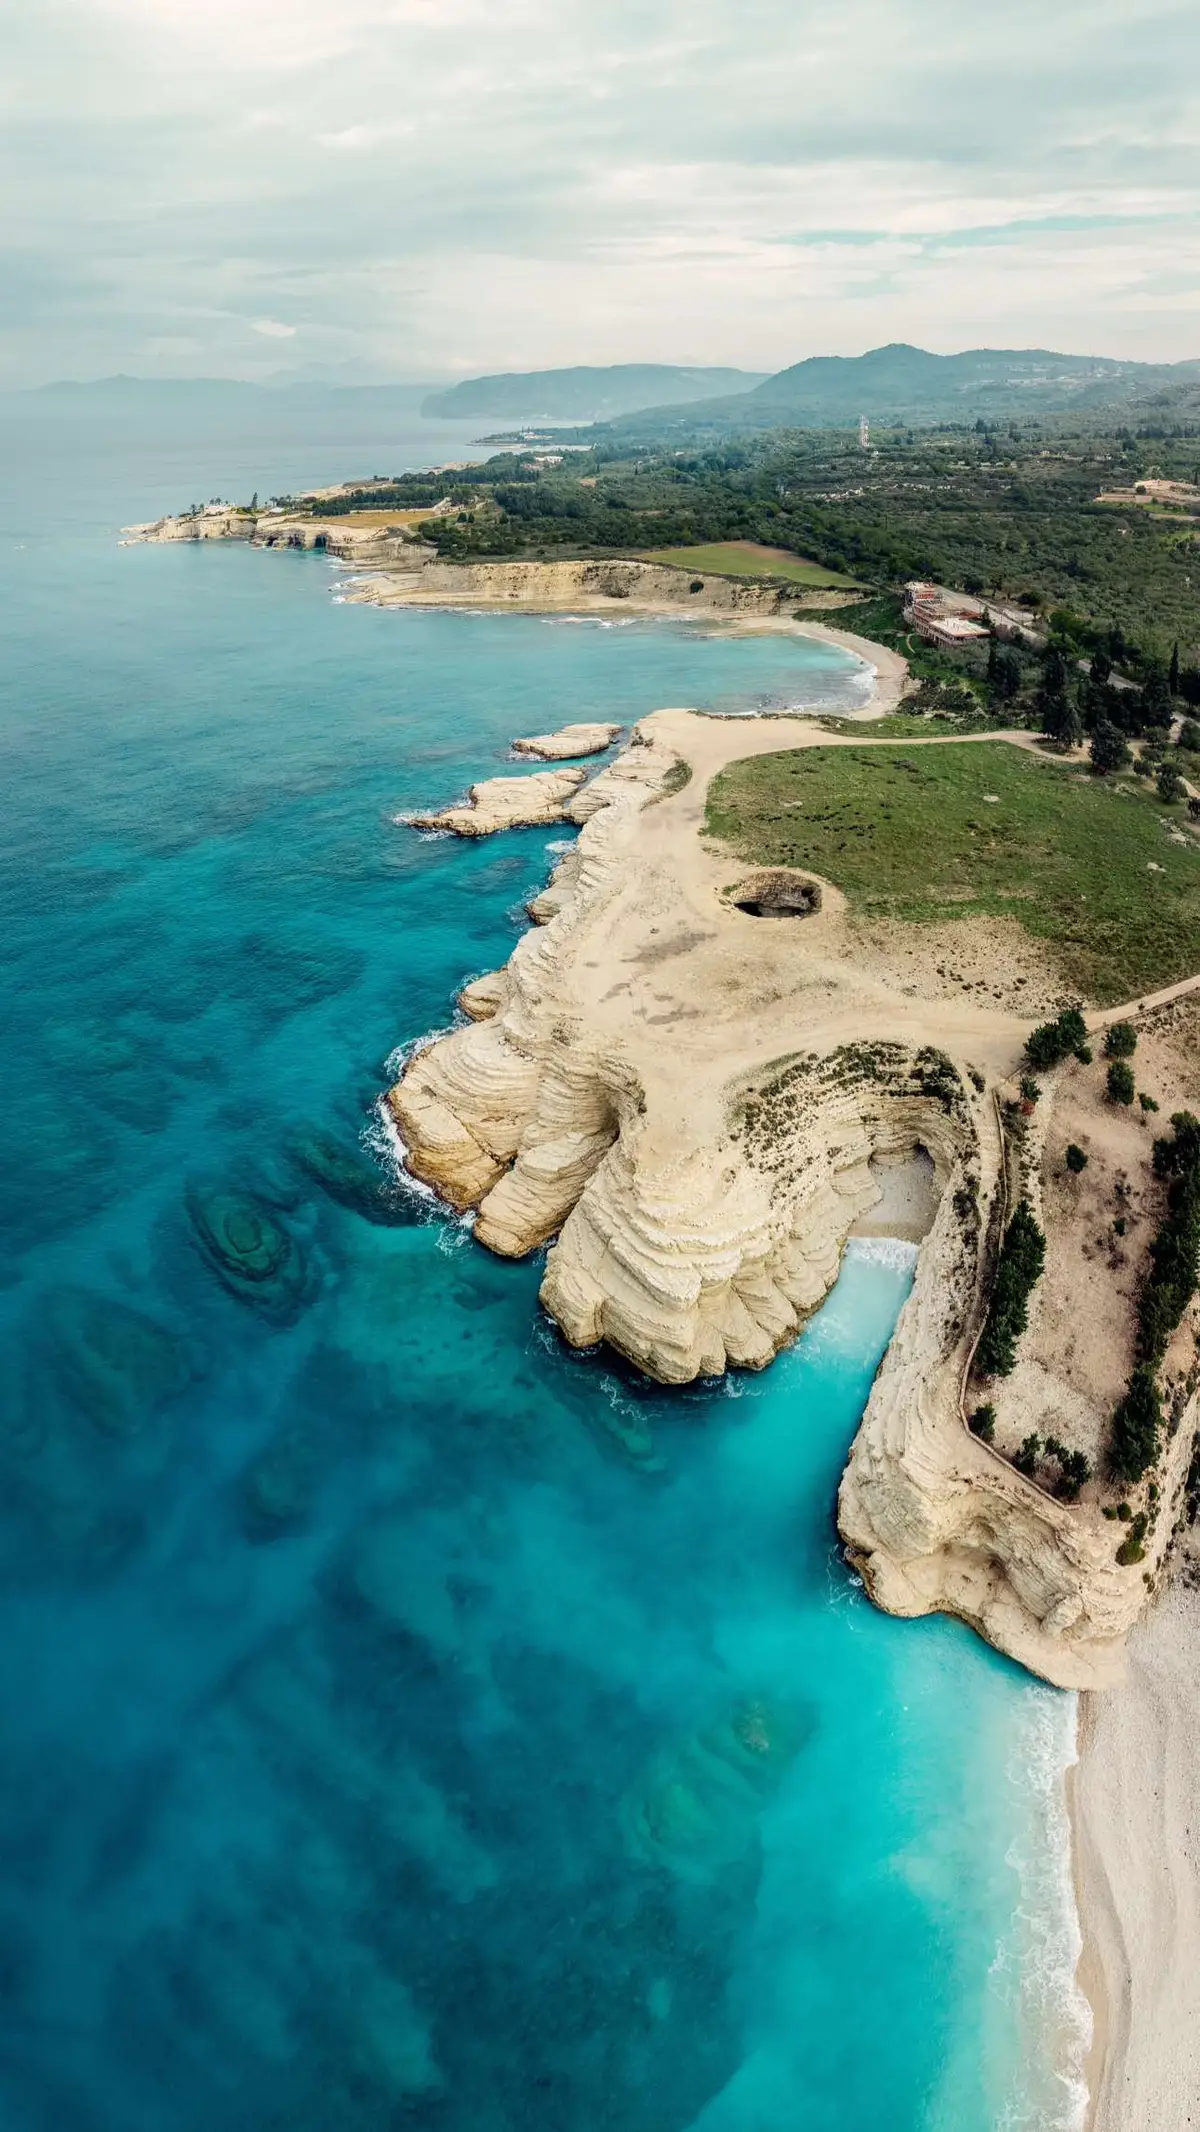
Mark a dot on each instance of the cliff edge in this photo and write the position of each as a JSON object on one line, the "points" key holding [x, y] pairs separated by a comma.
{"points": [[685, 1080]]}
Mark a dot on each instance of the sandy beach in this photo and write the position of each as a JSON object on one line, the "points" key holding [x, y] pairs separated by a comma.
{"points": [[1135, 1806]]}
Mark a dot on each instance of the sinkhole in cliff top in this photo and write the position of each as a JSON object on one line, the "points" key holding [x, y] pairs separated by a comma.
{"points": [[777, 892]]}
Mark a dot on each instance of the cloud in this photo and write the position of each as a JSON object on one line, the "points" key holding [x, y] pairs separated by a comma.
{"points": [[421, 185]]}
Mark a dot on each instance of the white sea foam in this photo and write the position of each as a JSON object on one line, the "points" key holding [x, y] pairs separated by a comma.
{"points": [[411, 821], [397, 1060], [386, 1142], [894, 1252], [1036, 1961]]}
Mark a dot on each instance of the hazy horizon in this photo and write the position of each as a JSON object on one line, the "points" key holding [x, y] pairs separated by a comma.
{"points": [[394, 191]]}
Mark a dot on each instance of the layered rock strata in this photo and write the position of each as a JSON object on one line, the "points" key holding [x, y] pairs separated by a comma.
{"points": [[395, 544], [685, 1101], [570, 740], [594, 583]]}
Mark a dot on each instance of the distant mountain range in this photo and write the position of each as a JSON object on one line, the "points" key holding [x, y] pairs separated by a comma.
{"points": [[902, 384], [585, 394], [896, 385]]}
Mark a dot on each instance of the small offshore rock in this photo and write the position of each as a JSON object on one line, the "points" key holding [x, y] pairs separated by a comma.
{"points": [[568, 741]]}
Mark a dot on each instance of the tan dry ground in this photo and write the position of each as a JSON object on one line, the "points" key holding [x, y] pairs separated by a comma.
{"points": [[1136, 1823]]}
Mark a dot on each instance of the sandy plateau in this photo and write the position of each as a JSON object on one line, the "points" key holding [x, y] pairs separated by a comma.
{"points": [[694, 1105]]}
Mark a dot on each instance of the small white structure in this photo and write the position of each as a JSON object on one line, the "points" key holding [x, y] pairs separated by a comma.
{"points": [[864, 433]]}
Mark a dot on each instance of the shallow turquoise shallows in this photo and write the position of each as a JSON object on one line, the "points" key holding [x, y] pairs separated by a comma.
{"points": [[404, 1721]]}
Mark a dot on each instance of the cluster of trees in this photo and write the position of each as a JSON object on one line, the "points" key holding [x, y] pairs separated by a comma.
{"points": [[1052, 1042], [1175, 1252], [1072, 703], [1074, 1468], [1136, 1429], [1022, 1259], [925, 505]]}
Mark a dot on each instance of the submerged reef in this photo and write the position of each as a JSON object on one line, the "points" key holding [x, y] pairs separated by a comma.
{"points": [[694, 1811], [350, 1179], [250, 1252]]}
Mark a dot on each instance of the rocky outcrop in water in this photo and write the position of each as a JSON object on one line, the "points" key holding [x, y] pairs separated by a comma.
{"points": [[532, 802], [568, 741], [381, 542]]}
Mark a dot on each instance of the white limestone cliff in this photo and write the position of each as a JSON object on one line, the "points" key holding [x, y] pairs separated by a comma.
{"points": [[568, 741], [685, 1101]]}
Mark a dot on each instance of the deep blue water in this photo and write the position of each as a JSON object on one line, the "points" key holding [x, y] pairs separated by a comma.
{"points": [[405, 1721]]}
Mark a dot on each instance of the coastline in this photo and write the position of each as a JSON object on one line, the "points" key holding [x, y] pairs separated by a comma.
{"points": [[889, 686], [1135, 1822], [1131, 1798]]}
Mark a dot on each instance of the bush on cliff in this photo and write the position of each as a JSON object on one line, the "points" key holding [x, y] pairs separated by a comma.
{"points": [[1051, 1042], [1022, 1257]]}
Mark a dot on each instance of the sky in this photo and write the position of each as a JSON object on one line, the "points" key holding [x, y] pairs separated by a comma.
{"points": [[419, 189]]}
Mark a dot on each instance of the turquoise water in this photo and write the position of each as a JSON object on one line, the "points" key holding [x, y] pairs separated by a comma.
{"points": [[404, 1721]]}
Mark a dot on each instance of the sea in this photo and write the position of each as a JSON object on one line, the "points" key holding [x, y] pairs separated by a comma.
{"points": [[406, 1721]]}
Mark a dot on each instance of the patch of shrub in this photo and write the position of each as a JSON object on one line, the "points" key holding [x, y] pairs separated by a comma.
{"points": [[1022, 1258], [1120, 1082], [983, 1423], [1131, 1549], [1120, 1041], [1148, 1103], [1051, 1042], [1076, 1159], [1026, 1459], [1030, 1091]]}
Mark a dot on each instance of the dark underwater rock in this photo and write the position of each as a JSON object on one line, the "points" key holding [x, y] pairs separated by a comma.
{"points": [[694, 1811], [112, 1363], [280, 1486], [349, 1178], [251, 1252], [122, 1073]]}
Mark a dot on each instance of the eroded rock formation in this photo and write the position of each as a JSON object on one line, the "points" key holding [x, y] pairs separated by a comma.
{"points": [[685, 1102], [570, 740], [531, 802]]}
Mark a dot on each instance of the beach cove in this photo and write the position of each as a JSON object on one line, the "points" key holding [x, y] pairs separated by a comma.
{"points": [[513, 1682]]}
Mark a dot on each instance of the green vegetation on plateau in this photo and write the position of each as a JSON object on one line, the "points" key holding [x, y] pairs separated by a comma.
{"points": [[748, 558], [1022, 1259], [972, 827], [1007, 511]]}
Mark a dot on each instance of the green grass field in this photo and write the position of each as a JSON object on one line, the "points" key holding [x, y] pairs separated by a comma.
{"points": [[746, 558], [1084, 863]]}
